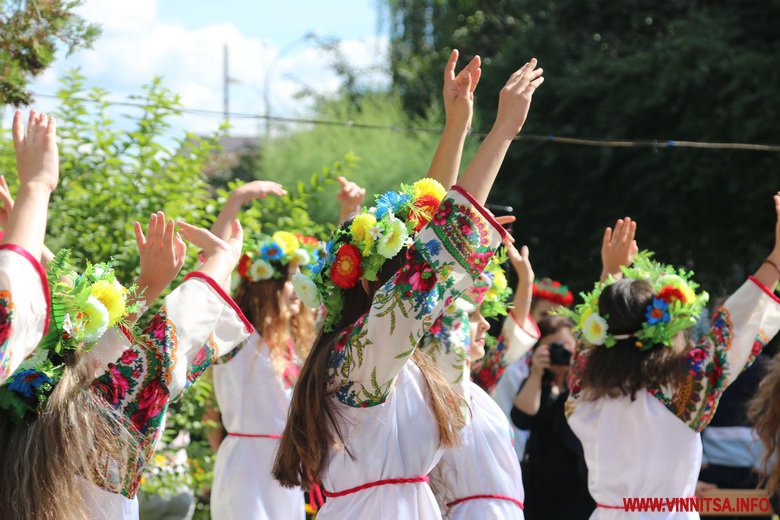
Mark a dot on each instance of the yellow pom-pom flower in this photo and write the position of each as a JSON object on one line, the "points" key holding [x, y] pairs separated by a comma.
{"points": [[113, 297], [428, 186], [287, 241], [361, 232]]}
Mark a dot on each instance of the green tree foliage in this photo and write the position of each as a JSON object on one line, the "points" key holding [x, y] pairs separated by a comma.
{"points": [[111, 177], [640, 70], [30, 33]]}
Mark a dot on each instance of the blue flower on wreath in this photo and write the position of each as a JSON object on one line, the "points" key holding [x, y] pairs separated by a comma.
{"points": [[657, 312], [390, 201], [27, 381], [271, 251]]}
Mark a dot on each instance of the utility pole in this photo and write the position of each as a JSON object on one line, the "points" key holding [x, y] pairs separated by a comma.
{"points": [[225, 84]]}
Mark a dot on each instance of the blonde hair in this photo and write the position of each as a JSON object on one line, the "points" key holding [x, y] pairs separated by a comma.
{"points": [[260, 302], [44, 460]]}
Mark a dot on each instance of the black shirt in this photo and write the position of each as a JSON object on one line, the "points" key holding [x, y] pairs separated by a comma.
{"points": [[555, 476]]}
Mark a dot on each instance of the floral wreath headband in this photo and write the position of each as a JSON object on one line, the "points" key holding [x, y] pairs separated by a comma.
{"points": [[491, 293], [674, 308], [359, 252], [268, 257], [553, 291], [83, 308]]}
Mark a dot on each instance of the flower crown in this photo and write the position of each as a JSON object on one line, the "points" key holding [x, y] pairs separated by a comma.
{"points": [[83, 308], [674, 308], [267, 257], [491, 293], [552, 291], [359, 251]]}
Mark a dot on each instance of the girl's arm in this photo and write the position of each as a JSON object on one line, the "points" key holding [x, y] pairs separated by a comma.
{"points": [[238, 197], [448, 255], [519, 332], [24, 288], [197, 323], [529, 398], [740, 330], [513, 105], [350, 198], [458, 95]]}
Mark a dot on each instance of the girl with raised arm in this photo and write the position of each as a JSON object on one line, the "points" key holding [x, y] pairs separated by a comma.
{"points": [[640, 391], [481, 478], [254, 383], [370, 416]]}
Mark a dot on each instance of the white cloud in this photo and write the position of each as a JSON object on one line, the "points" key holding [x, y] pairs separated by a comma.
{"points": [[136, 45]]}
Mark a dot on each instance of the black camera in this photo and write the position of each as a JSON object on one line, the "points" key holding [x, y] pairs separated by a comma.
{"points": [[559, 355]]}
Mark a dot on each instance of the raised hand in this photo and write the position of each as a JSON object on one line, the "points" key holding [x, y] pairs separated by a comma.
{"points": [[258, 190], [515, 99], [521, 263], [8, 202], [220, 256], [618, 248], [769, 272], [246, 192], [350, 198], [162, 253], [458, 91], [37, 156]]}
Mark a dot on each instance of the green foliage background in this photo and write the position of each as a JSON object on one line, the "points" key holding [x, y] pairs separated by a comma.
{"points": [[680, 69]]}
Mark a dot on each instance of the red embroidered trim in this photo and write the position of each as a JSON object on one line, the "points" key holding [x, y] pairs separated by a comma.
{"points": [[483, 497], [214, 285], [386, 482], [484, 211], [537, 333], [41, 274], [764, 288], [254, 435]]}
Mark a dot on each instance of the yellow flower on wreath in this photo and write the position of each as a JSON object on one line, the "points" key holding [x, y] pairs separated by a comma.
{"points": [[287, 241], [361, 232], [428, 186], [113, 297]]}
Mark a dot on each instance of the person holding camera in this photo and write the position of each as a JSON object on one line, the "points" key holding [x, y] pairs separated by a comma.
{"points": [[555, 476]]}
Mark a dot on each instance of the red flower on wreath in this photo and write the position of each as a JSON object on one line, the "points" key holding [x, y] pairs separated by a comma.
{"points": [[425, 207], [243, 266], [671, 294], [307, 240], [347, 268]]}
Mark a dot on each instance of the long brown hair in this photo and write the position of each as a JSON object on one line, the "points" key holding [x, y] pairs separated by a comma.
{"points": [[764, 413], [312, 427], [624, 369], [261, 304], [77, 435]]}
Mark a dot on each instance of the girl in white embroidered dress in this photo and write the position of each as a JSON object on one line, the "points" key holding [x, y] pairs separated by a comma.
{"points": [[644, 409], [369, 417]]}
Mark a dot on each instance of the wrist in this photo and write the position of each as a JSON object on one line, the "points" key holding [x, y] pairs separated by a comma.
{"points": [[774, 257], [237, 198], [148, 290], [457, 128], [504, 131], [37, 188]]}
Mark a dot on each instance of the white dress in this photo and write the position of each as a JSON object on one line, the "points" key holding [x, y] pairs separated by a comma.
{"points": [[481, 479], [197, 323], [381, 396], [254, 400], [485, 466], [651, 447], [24, 306], [505, 393]]}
